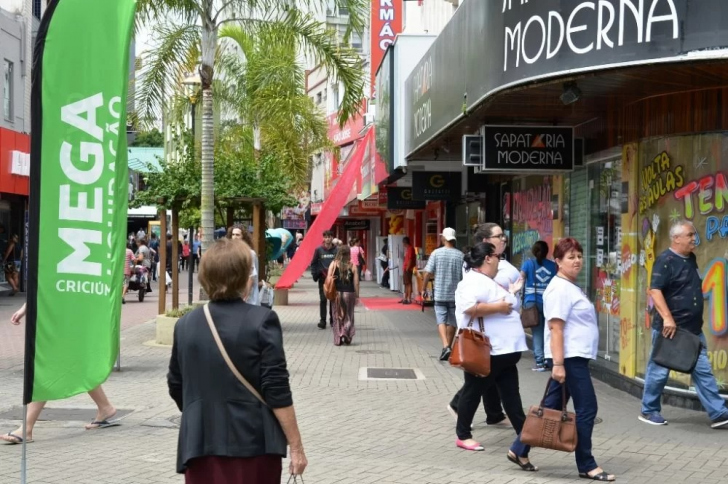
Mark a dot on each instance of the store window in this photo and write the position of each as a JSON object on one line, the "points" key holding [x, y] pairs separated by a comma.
{"points": [[531, 217], [686, 177], [603, 253]]}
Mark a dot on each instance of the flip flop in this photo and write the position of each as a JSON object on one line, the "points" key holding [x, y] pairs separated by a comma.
{"points": [[602, 476], [102, 424], [525, 466], [16, 439]]}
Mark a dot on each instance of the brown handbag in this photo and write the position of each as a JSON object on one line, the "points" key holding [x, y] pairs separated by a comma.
{"points": [[548, 428], [530, 318], [471, 350], [330, 287]]}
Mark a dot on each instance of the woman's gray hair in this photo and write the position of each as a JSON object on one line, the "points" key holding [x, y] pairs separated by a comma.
{"points": [[676, 228]]}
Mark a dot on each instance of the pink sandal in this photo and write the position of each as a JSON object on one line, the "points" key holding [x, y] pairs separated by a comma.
{"points": [[474, 447]]}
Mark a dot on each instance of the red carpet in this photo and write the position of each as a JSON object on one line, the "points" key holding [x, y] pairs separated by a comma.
{"points": [[388, 304]]}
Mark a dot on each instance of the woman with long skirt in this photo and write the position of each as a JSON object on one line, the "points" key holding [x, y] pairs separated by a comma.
{"points": [[347, 292]]}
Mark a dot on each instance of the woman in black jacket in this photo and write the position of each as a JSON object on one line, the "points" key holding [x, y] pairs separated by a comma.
{"points": [[227, 435]]}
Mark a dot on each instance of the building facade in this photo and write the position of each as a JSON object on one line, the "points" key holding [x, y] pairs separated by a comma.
{"points": [[602, 121]]}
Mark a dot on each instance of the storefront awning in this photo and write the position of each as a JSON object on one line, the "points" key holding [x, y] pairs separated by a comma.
{"points": [[332, 206]]}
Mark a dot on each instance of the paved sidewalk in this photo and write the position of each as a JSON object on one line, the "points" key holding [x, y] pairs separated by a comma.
{"points": [[354, 431]]}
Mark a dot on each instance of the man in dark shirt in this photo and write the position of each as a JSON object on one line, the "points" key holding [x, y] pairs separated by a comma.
{"points": [[322, 258], [677, 292]]}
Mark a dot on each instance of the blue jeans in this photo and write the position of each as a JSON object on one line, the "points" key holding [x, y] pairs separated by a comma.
{"points": [[537, 332], [705, 385], [579, 387]]}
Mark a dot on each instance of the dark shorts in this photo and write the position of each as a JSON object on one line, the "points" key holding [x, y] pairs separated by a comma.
{"points": [[407, 276]]}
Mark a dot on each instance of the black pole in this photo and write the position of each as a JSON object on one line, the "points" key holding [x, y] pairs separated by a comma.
{"points": [[191, 232], [190, 266]]}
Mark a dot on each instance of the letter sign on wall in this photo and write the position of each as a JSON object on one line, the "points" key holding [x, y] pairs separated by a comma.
{"points": [[528, 148]]}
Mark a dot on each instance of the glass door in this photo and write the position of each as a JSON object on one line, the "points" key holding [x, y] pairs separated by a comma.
{"points": [[605, 242]]}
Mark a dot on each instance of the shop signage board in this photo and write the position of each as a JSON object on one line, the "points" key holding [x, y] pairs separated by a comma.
{"points": [[437, 185], [513, 43], [356, 224], [528, 149], [387, 16], [400, 198], [294, 224]]}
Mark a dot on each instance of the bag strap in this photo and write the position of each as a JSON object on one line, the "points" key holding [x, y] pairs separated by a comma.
{"points": [[563, 399], [480, 323], [226, 357]]}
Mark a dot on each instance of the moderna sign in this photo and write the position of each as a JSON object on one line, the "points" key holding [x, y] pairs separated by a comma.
{"points": [[386, 24]]}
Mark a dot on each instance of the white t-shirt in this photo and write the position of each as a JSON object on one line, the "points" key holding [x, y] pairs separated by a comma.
{"points": [[564, 300], [508, 274], [505, 331]]}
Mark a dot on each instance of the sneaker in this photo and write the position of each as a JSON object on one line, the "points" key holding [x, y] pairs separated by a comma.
{"points": [[445, 355], [655, 419], [322, 325], [721, 421], [539, 368]]}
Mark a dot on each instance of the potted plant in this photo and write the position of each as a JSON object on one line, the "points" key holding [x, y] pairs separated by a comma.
{"points": [[167, 321]]}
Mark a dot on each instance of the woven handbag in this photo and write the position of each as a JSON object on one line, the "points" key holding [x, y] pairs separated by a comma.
{"points": [[548, 428]]}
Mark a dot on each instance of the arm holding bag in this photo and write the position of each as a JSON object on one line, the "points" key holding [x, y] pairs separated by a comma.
{"points": [[548, 428], [471, 350]]}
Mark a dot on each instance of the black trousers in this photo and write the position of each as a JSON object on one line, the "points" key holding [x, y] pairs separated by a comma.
{"points": [[491, 405], [322, 303], [385, 276], [503, 375]]}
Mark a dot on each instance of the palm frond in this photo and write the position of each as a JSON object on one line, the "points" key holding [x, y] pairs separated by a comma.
{"points": [[175, 56]]}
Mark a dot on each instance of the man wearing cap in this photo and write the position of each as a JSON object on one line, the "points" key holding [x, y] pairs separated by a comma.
{"points": [[447, 265]]}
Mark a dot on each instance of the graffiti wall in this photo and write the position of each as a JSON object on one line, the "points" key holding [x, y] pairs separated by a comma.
{"points": [[686, 177], [534, 205]]}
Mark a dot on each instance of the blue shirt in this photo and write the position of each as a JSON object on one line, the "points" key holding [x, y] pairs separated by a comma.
{"points": [[195, 247], [538, 277]]}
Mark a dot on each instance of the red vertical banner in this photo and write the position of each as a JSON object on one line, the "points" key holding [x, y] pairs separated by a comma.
{"points": [[386, 23]]}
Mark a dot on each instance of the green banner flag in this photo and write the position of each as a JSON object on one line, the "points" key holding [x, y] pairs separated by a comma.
{"points": [[78, 196]]}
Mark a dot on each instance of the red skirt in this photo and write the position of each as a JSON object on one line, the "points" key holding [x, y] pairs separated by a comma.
{"points": [[263, 469]]}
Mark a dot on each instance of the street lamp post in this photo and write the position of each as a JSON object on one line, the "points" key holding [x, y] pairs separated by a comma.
{"points": [[191, 83]]}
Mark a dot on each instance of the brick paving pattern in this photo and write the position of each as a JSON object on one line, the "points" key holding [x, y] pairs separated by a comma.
{"points": [[354, 431]]}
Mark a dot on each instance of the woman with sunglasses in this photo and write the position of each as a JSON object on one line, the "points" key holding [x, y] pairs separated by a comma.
{"points": [[479, 296]]}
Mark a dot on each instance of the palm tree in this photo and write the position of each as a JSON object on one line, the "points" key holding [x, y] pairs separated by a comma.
{"points": [[187, 33]]}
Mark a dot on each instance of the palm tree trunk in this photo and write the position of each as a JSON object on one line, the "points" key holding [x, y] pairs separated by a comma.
{"points": [[207, 202], [207, 199]]}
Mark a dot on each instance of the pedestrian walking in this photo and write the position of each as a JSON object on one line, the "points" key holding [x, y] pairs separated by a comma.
{"points": [[322, 258], [11, 271], [237, 232], [507, 275], [479, 296], [676, 290], [235, 426], [409, 264], [144, 258], [346, 280], [128, 268], [196, 252], [357, 255], [154, 247], [383, 259], [446, 263], [537, 273], [105, 411], [571, 340]]}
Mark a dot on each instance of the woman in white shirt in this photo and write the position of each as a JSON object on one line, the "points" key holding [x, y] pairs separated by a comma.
{"points": [[239, 233], [479, 296], [570, 340]]}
